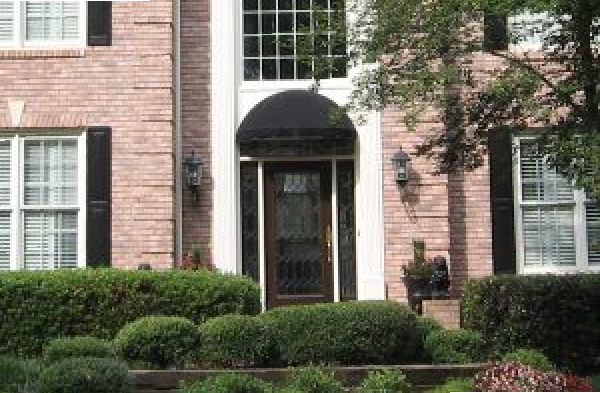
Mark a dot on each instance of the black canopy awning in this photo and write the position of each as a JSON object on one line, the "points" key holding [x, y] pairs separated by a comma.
{"points": [[296, 115]]}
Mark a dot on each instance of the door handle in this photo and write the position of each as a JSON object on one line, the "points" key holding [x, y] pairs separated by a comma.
{"points": [[328, 241]]}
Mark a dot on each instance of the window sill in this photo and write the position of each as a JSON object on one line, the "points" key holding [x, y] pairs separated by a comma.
{"points": [[19, 54]]}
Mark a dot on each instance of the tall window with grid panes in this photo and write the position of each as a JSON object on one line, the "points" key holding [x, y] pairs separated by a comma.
{"points": [[278, 33]]}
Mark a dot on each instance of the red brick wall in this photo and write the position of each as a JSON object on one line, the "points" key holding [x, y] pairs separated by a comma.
{"points": [[195, 64], [451, 213], [127, 86]]}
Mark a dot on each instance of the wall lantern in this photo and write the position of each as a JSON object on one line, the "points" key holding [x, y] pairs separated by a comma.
{"points": [[193, 166], [400, 161]]}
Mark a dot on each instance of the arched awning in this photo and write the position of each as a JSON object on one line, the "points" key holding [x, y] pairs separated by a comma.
{"points": [[296, 115]]}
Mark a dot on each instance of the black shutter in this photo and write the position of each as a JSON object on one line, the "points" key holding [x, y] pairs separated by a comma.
{"points": [[99, 23], [98, 196], [502, 200], [495, 31]]}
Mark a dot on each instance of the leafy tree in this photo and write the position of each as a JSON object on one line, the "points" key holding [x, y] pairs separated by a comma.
{"points": [[415, 54]]}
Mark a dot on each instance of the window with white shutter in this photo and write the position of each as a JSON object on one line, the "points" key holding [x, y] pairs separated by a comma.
{"points": [[558, 229], [45, 200], [42, 23]]}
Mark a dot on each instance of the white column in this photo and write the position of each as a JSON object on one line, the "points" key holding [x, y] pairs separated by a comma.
{"points": [[370, 265], [225, 171]]}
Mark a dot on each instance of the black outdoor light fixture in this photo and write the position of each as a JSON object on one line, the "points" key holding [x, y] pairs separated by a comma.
{"points": [[400, 161], [193, 166]]}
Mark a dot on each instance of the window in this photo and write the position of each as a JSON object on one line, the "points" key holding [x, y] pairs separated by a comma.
{"points": [[42, 202], [558, 227], [42, 23], [275, 31], [530, 30]]}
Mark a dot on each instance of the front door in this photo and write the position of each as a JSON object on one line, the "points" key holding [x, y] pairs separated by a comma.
{"points": [[298, 233]]}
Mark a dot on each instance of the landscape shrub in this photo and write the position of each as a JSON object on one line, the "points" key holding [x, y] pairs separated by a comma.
{"points": [[89, 375], [345, 333], [77, 347], [159, 341], [17, 376], [455, 346], [455, 385], [229, 383], [236, 341], [556, 314], [42, 305], [385, 381], [530, 357], [312, 379], [425, 326]]}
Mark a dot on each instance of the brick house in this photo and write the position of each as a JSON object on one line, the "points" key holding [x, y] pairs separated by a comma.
{"points": [[95, 128]]}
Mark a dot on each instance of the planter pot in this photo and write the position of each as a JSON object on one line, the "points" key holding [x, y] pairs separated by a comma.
{"points": [[418, 289]]}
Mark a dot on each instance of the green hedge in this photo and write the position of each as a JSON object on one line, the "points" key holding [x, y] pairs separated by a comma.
{"points": [[77, 347], [39, 306], [345, 333], [89, 375], [159, 341], [556, 314], [456, 346], [237, 341]]}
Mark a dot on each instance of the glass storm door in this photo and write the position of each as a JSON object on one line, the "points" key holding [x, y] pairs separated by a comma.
{"points": [[298, 236]]}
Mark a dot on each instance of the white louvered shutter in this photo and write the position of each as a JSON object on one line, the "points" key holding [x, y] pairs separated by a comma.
{"points": [[548, 236], [592, 218], [50, 189], [7, 25], [547, 212], [52, 20], [5, 212]]}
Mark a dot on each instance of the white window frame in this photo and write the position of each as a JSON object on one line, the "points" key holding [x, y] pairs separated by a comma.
{"points": [[277, 83], [579, 222], [20, 42], [18, 208]]}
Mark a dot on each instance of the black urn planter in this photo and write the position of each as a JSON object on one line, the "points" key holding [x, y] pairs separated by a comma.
{"points": [[418, 289]]}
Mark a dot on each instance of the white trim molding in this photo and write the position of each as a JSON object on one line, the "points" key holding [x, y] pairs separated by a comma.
{"points": [[224, 168]]}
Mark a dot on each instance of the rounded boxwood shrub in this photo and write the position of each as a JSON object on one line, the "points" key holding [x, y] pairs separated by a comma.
{"points": [[372, 332], [530, 357], [385, 381], [159, 341], [455, 346], [230, 383], [236, 341], [77, 347], [89, 375], [312, 379]]}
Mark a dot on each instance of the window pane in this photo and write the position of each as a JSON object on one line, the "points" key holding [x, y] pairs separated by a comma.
{"points": [[285, 4], [251, 24], [268, 24], [269, 46], [549, 236], [251, 70], [4, 240], [250, 5], [269, 69], [251, 47], [286, 22], [5, 173], [51, 20], [539, 181], [50, 240], [50, 172], [286, 67], [592, 218], [6, 21]]}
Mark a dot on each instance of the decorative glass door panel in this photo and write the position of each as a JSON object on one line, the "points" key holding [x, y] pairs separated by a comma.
{"points": [[298, 233]]}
